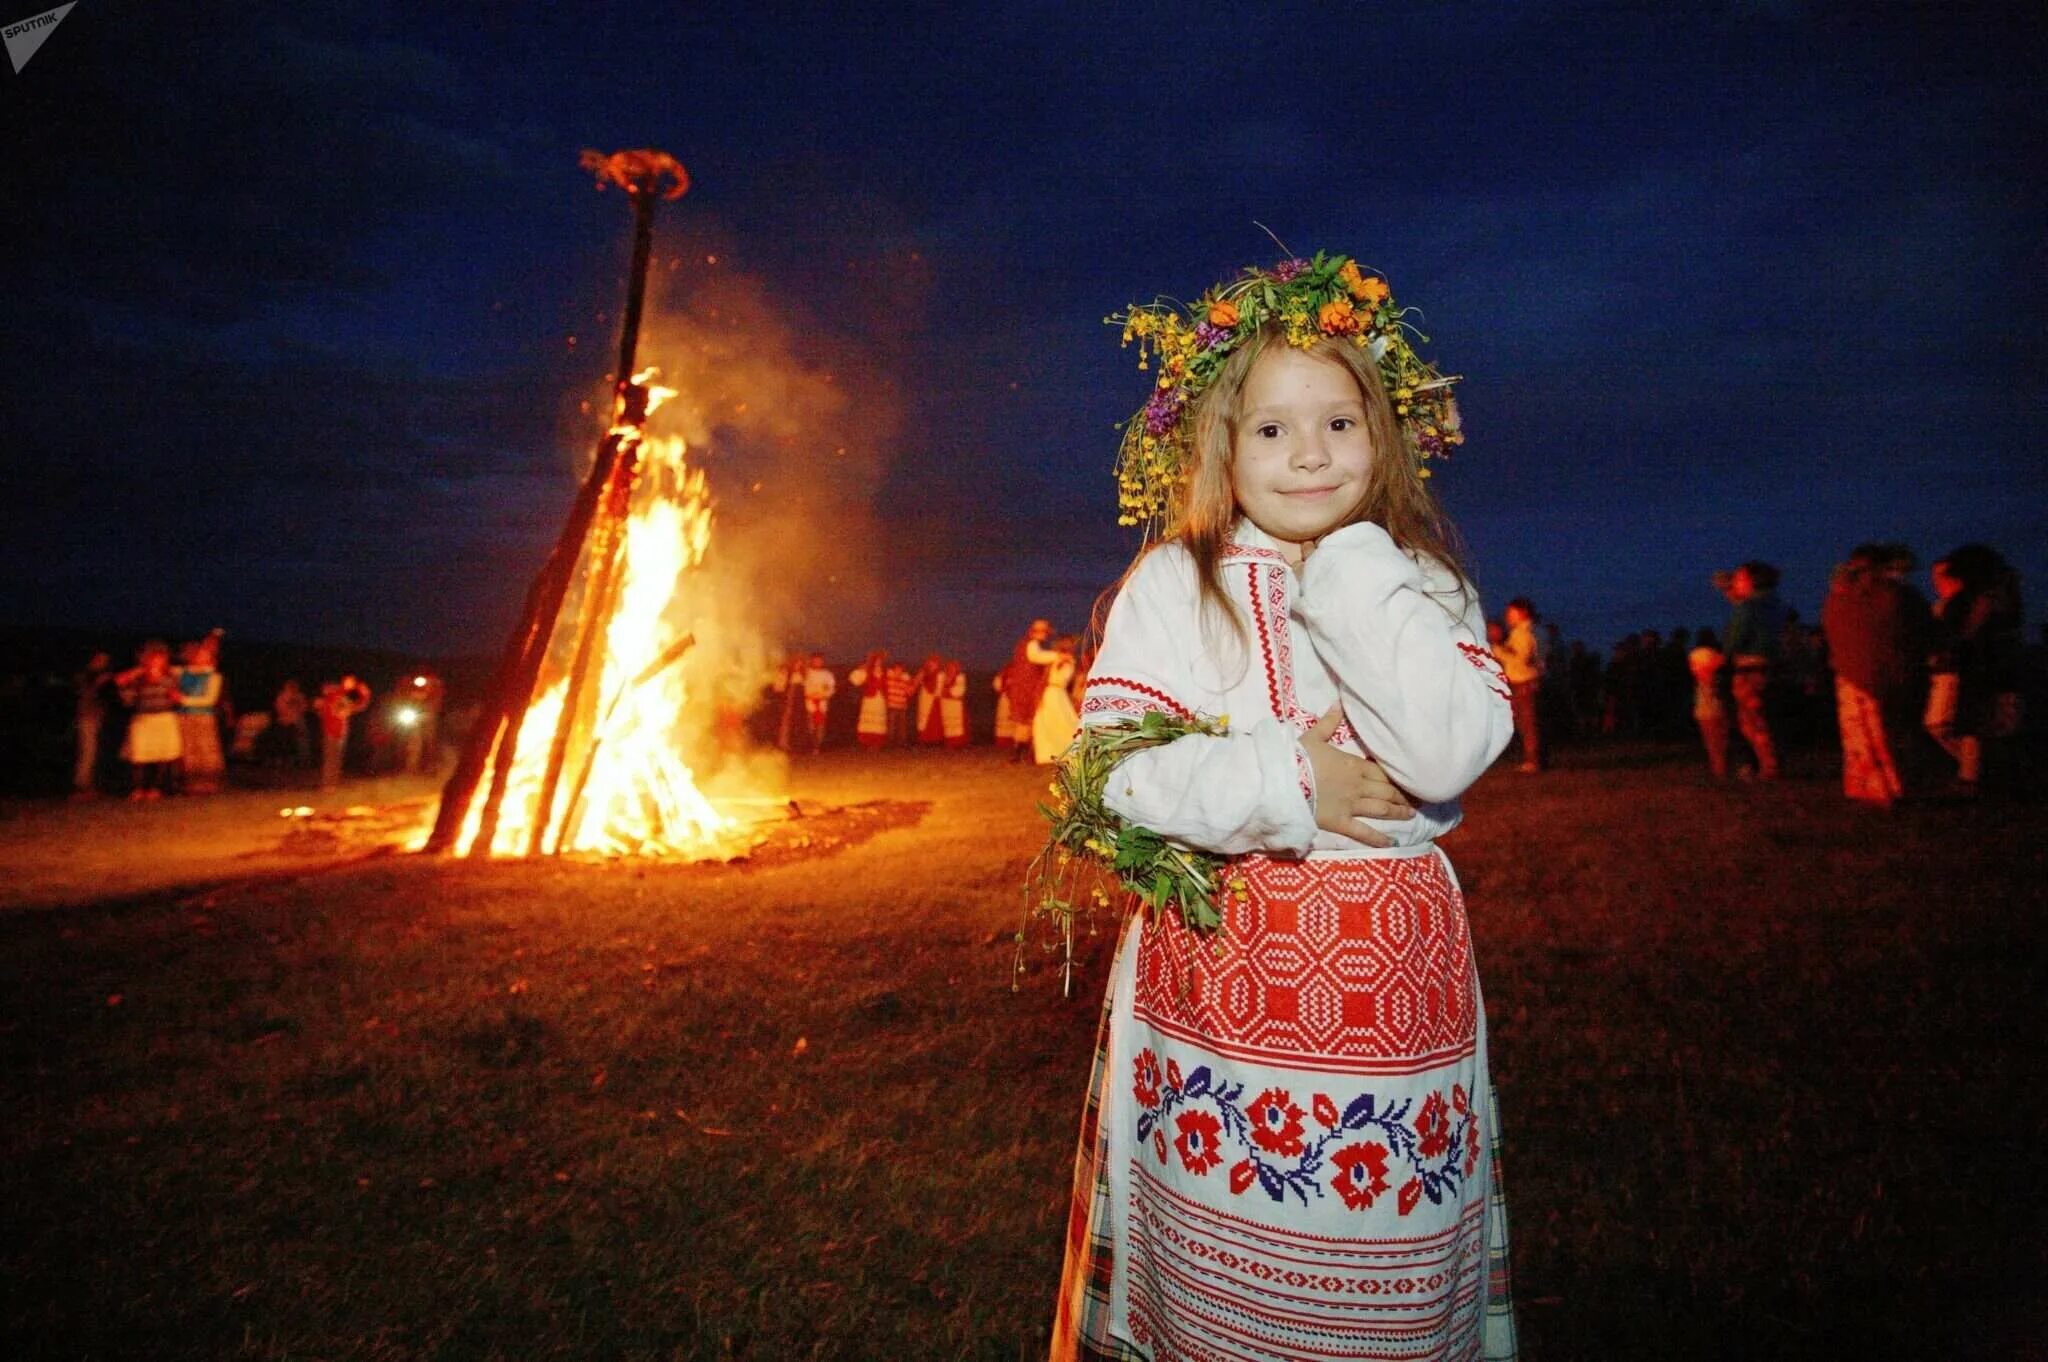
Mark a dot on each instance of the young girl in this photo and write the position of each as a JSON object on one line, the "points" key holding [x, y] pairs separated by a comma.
{"points": [[1286, 1152]]}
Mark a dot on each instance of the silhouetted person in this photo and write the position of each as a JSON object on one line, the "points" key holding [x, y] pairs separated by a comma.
{"points": [[1973, 694], [1877, 630], [288, 713], [1756, 629], [90, 687], [339, 702], [417, 712]]}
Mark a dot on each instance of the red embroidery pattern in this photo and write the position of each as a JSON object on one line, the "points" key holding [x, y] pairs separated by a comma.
{"points": [[1207, 1286], [1485, 660], [1283, 712], [1360, 966], [1436, 1145], [1092, 703], [1269, 611]]}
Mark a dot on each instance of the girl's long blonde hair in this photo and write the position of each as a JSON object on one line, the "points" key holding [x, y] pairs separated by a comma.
{"points": [[1397, 499]]}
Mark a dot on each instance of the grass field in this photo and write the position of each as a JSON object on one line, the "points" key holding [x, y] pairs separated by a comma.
{"points": [[1769, 1070]]}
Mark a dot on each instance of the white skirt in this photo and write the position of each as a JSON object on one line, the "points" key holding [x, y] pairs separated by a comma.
{"points": [[153, 738]]}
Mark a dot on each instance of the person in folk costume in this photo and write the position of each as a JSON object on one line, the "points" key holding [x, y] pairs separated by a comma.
{"points": [[1006, 732], [820, 685], [899, 687], [1026, 672], [952, 705], [930, 723], [1973, 694], [199, 695], [1312, 1176], [338, 702], [90, 689], [155, 743], [872, 676], [794, 731], [1876, 629], [1053, 727]]}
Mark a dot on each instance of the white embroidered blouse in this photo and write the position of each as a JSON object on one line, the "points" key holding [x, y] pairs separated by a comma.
{"points": [[1364, 623]]}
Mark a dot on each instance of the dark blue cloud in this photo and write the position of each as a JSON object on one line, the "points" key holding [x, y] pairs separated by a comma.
{"points": [[296, 289]]}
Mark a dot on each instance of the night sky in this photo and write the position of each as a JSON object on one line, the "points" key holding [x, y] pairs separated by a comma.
{"points": [[292, 291]]}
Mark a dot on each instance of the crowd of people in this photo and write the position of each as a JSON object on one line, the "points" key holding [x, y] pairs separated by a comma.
{"points": [[1918, 695], [1037, 694], [178, 725], [1882, 668]]}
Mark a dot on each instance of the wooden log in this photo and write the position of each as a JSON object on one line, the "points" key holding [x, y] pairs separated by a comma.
{"points": [[493, 739]]}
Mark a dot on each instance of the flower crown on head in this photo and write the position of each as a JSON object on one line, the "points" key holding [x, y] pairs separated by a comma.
{"points": [[1326, 298]]}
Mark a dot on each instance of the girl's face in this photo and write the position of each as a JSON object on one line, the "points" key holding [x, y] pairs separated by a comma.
{"points": [[1946, 583], [1300, 452]]}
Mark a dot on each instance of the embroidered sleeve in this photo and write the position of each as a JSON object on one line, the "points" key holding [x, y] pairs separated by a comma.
{"points": [[1246, 790], [1425, 693]]}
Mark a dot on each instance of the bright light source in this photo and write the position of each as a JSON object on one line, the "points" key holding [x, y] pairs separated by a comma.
{"points": [[406, 716]]}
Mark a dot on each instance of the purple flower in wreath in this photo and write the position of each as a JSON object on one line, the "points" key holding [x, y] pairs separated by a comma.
{"points": [[1162, 412], [1209, 335], [1287, 269]]}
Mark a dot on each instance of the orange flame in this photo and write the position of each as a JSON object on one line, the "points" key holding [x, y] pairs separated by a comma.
{"points": [[636, 794]]}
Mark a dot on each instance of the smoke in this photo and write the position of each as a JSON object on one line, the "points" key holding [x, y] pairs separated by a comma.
{"points": [[792, 426]]}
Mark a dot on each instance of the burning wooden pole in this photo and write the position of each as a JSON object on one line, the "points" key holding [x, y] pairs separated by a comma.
{"points": [[596, 521]]}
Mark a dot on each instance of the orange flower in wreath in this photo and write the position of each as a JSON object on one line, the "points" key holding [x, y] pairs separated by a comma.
{"points": [[1223, 312], [1337, 318]]}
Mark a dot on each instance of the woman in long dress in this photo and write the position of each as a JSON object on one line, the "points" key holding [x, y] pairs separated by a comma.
{"points": [[199, 692], [872, 676], [953, 704], [1053, 727]]}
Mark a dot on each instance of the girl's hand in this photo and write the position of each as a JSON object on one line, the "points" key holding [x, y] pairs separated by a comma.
{"points": [[1350, 789]]}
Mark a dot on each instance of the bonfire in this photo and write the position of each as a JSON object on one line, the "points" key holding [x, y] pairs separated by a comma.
{"points": [[578, 747]]}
